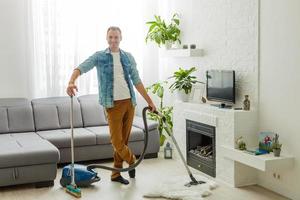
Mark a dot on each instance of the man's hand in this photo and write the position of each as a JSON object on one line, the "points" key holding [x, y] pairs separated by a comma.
{"points": [[71, 86], [141, 89], [71, 89], [152, 106]]}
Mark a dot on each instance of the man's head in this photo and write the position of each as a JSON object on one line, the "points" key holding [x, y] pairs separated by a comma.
{"points": [[114, 37]]}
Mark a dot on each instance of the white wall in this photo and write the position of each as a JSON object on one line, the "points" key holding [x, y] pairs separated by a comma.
{"points": [[13, 62], [228, 33], [279, 86]]}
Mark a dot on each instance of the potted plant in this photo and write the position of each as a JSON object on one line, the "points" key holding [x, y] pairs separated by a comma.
{"points": [[162, 33], [183, 83], [166, 111], [276, 146]]}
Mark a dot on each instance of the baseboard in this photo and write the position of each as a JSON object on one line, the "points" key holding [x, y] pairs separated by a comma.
{"points": [[151, 155], [44, 184]]}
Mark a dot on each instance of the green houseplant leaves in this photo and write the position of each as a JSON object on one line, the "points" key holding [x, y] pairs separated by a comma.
{"points": [[160, 32], [166, 111], [184, 80]]}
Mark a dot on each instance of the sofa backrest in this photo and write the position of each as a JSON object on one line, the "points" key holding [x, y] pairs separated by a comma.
{"points": [[54, 113], [15, 115], [92, 111]]}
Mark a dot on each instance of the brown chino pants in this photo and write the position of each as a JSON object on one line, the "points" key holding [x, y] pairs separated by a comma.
{"points": [[120, 119]]}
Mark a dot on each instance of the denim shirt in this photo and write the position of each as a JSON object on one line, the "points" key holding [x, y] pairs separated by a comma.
{"points": [[103, 61]]}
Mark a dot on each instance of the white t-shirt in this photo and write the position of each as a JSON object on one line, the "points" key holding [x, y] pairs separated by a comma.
{"points": [[121, 90]]}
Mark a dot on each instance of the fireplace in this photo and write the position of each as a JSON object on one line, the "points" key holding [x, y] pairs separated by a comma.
{"points": [[201, 147]]}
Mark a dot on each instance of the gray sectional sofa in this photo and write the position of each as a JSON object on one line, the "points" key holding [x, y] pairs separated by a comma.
{"points": [[35, 137]]}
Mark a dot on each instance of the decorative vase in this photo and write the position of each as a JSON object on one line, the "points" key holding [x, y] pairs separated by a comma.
{"points": [[276, 152], [182, 96], [246, 103]]}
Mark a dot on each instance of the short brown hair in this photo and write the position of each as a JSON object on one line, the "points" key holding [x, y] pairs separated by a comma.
{"points": [[114, 28]]}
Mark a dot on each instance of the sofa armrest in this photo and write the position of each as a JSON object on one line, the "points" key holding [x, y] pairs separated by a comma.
{"points": [[139, 123]]}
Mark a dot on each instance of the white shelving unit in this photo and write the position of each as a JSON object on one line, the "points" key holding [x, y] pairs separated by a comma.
{"points": [[183, 52], [262, 162]]}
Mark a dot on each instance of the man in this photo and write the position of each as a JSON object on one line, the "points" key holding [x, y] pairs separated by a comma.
{"points": [[116, 70]]}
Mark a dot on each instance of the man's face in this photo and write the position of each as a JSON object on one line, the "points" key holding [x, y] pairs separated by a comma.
{"points": [[113, 38]]}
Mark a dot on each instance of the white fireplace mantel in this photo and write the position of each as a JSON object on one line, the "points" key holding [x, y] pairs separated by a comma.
{"points": [[232, 166]]}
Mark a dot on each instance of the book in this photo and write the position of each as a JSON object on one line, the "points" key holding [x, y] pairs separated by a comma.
{"points": [[256, 151]]}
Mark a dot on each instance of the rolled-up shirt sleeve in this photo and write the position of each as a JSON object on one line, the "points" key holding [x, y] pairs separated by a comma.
{"points": [[88, 64], [134, 73]]}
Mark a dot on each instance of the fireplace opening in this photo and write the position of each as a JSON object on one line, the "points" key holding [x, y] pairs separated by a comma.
{"points": [[200, 147]]}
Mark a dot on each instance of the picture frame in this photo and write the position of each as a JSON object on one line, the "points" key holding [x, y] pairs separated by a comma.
{"points": [[197, 93], [265, 140]]}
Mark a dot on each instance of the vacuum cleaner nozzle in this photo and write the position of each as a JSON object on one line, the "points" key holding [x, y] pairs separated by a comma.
{"points": [[73, 190], [193, 181]]}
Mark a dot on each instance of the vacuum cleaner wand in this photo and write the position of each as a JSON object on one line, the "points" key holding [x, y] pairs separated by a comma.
{"points": [[141, 157], [72, 188], [167, 128]]}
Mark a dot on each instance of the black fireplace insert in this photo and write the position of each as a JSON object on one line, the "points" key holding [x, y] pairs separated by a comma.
{"points": [[201, 147]]}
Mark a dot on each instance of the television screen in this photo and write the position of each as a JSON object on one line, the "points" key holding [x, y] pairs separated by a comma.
{"points": [[220, 85]]}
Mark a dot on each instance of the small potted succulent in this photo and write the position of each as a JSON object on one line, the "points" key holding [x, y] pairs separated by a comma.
{"points": [[241, 145], [276, 146]]}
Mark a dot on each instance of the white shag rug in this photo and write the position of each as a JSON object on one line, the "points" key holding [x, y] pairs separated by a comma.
{"points": [[174, 188]]}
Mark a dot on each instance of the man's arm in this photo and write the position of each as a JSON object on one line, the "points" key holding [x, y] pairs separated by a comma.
{"points": [[141, 89], [84, 67], [71, 86]]}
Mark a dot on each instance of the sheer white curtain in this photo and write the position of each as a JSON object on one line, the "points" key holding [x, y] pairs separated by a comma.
{"points": [[65, 32]]}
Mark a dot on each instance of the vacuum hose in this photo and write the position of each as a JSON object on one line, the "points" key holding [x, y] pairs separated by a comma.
{"points": [[92, 166]]}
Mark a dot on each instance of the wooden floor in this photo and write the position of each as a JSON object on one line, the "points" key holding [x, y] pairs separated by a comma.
{"points": [[148, 173]]}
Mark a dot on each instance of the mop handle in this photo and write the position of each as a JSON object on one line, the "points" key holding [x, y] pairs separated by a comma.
{"points": [[72, 144], [174, 140]]}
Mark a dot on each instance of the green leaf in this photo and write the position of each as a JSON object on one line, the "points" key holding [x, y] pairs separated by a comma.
{"points": [[152, 27], [160, 92], [162, 139], [151, 22], [176, 21], [168, 131]]}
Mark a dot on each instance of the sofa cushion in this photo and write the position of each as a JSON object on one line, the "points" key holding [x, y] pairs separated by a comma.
{"points": [[23, 149], [45, 117], [61, 138], [103, 135], [16, 115], [139, 123], [54, 113], [20, 119], [92, 111], [3, 120]]}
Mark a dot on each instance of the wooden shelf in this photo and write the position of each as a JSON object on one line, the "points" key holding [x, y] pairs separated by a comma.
{"points": [[183, 52], [262, 162]]}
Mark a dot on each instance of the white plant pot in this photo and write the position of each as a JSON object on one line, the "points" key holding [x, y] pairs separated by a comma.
{"points": [[168, 44], [182, 96]]}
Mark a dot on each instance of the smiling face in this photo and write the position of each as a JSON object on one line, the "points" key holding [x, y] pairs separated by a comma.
{"points": [[114, 38]]}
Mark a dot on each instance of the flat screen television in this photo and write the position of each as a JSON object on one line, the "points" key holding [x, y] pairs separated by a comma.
{"points": [[220, 86]]}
